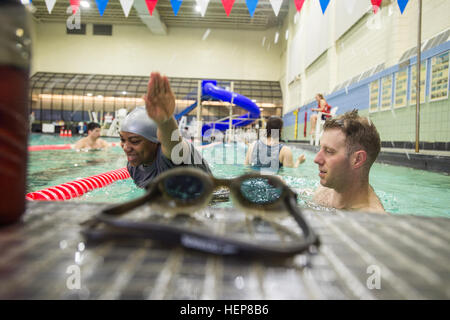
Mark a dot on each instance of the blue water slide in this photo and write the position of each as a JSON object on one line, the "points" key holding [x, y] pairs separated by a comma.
{"points": [[178, 116], [210, 88], [189, 96]]}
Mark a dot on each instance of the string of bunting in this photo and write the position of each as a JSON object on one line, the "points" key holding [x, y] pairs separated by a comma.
{"points": [[203, 5]]}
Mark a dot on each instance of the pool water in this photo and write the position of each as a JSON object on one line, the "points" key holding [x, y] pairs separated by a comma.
{"points": [[401, 190]]}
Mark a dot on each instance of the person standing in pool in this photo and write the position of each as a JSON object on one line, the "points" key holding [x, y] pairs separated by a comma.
{"points": [[270, 153], [150, 138], [93, 140], [349, 146]]}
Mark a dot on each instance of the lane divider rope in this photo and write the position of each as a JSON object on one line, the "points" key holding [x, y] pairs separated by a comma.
{"points": [[78, 187], [59, 147]]}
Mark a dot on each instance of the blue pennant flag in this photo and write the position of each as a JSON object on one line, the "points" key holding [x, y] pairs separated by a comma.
{"points": [[324, 5], [176, 4], [101, 5], [402, 5], [251, 5]]}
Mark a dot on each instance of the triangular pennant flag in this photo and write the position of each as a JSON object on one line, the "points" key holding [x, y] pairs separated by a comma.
{"points": [[299, 4], [151, 4], [251, 5], [324, 5], [176, 4], [276, 5], [376, 4], [402, 5], [126, 6], [75, 4], [227, 5], [101, 5], [203, 4], [50, 4]]}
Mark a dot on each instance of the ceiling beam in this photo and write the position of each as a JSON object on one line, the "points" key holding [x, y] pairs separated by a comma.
{"points": [[153, 22]]}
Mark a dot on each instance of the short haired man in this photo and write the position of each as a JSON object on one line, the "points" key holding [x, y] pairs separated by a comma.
{"points": [[150, 137], [93, 140], [348, 147], [271, 153]]}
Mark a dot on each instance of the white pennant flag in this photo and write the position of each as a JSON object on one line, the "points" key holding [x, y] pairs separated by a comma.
{"points": [[276, 5], [203, 4], [50, 4], [126, 6]]}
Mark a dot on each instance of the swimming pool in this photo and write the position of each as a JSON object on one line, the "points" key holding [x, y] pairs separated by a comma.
{"points": [[401, 190]]}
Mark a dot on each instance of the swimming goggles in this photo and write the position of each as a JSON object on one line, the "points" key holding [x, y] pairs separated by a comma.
{"points": [[185, 190]]}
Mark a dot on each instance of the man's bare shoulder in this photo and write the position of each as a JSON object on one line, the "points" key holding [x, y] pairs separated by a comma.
{"points": [[375, 205], [104, 143], [81, 143], [322, 196]]}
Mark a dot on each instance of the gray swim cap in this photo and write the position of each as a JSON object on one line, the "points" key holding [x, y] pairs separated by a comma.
{"points": [[138, 122]]}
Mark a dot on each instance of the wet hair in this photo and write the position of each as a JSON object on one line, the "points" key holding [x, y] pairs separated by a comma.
{"points": [[92, 126], [360, 133], [274, 123]]}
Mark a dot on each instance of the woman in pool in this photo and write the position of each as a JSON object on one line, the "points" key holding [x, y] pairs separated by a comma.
{"points": [[150, 137], [322, 106], [270, 153]]}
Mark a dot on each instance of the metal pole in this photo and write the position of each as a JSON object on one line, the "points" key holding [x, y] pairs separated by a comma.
{"points": [[419, 67], [230, 123], [198, 138]]}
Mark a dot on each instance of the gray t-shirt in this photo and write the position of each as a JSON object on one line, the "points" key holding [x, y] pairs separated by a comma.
{"points": [[142, 175]]}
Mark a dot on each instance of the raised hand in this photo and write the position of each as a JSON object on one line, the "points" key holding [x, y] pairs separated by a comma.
{"points": [[159, 100]]}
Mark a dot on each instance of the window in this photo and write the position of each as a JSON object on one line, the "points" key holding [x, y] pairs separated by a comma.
{"points": [[386, 93], [439, 77], [423, 75], [374, 95], [102, 30], [401, 86], [81, 30]]}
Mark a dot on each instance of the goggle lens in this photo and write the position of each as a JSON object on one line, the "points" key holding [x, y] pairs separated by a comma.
{"points": [[184, 187], [260, 191]]}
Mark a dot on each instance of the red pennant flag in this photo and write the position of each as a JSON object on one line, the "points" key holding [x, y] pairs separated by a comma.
{"points": [[75, 4], [376, 4], [299, 4], [151, 4], [228, 5]]}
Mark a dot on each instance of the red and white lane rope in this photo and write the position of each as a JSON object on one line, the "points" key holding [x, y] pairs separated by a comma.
{"points": [[78, 187], [59, 147]]}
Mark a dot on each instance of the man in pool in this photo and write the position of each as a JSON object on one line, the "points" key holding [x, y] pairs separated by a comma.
{"points": [[150, 137], [270, 152], [93, 140], [348, 147]]}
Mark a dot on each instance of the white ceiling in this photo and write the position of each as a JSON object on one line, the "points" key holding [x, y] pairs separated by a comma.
{"points": [[215, 16]]}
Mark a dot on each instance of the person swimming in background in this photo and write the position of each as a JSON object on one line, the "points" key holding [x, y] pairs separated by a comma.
{"points": [[269, 152], [150, 137], [93, 140], [349, 146]]}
